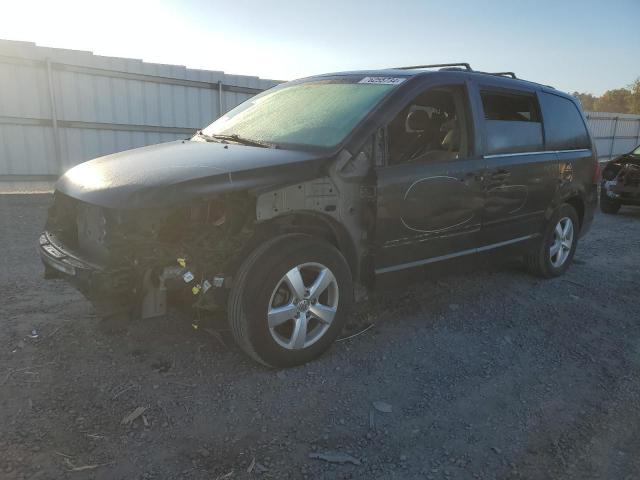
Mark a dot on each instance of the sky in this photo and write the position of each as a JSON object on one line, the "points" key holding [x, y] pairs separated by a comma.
{"points": [[588, 46]]}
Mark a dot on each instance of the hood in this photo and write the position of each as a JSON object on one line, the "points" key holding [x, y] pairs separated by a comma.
{"points": [[175, 172], [626, 158]]}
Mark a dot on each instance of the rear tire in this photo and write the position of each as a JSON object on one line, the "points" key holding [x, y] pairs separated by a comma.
{"points": [[608, 205], [554, 253], [289, 300]]}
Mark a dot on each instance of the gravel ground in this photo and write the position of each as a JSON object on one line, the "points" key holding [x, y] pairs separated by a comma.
{"points": [[488, 374]]}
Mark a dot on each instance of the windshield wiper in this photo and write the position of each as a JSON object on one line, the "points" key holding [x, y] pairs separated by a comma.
{"points": [[236, 138]]}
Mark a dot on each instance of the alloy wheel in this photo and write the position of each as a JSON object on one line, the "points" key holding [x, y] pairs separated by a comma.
{"points": [[562, 242], [302, 306]]}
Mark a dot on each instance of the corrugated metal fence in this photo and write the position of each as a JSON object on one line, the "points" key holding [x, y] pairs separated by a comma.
{"points": [[61, 107], [614, 133]]}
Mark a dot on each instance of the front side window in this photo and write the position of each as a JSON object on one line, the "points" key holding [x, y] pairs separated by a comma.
{"points": [[636, 151], [512, 122], [432, 127], [317, 113]]}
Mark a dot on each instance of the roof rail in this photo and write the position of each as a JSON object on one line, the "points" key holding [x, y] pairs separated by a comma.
{"points": [[436, 65], [466, 66], [504, 74]]}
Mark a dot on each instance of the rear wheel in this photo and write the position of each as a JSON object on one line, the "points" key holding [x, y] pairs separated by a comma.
{"points": [[608, 205], [554, 253], [290, 300]]}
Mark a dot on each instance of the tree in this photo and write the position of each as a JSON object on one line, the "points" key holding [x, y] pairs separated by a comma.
{"points": [[587, 100], [634, 104], [617, 100]]}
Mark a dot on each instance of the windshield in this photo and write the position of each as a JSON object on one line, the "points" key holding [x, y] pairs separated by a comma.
{"points": [[315, 114]]}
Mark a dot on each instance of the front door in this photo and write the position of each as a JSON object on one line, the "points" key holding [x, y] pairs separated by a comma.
{"points": [[430, 192]]}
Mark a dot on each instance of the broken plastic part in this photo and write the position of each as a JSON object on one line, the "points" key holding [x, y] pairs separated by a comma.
{"points": [[188, 277]]}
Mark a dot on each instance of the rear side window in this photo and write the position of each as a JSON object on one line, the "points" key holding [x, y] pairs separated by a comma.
{"points": [[510, 108], [512, 122], [564, 127]]}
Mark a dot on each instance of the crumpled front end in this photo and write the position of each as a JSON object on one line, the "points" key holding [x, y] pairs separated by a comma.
{"points": [[621, 181], [145, 258]]}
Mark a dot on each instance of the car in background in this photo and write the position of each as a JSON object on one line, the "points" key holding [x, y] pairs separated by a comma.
{"points": [[307, 195], [621, 182]]}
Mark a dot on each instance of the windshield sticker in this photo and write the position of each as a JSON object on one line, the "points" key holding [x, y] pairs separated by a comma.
{"points": [[383, 80]]}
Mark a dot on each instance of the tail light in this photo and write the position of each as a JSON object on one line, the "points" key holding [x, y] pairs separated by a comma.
{"points": [[597, 173]]}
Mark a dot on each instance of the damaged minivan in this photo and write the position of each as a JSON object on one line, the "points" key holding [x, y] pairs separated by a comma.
{"points": [[621, 182], [302, 199]]}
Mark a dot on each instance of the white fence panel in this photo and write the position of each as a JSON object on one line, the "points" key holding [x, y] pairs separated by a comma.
{"points": [[613, 133], [61, 107]]}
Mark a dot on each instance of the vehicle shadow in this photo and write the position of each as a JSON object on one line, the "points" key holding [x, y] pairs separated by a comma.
{"points": [[629, 211]]}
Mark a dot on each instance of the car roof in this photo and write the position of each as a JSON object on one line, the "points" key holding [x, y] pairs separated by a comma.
{"points": [[502, 78]]}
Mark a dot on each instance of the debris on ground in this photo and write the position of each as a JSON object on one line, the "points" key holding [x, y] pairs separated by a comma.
{"points": [[383, 407], [133, 415], [71, 467], [335, 457], [356, 334]]}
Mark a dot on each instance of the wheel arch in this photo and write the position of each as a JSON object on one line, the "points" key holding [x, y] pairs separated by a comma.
{"points": [[575, 199], [578, 203], [306, 222], [316, 224]]}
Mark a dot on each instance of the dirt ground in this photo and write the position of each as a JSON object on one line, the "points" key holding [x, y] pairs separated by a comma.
{"points": [[488, 374]]}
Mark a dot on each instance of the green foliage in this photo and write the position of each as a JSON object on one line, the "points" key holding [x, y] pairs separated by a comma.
{"points": [[587, 100], [618, 100], [635, 97]]}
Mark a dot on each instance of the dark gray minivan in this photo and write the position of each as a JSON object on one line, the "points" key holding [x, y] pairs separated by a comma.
{"points": [[309, 194]]}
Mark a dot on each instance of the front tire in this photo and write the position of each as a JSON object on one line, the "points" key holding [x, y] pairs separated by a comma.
{"points": [[290, 300], [553, 256], [608, 205]]}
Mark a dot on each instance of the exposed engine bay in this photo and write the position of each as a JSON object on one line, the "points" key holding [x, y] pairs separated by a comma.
{"points": [[621, 180], [144, 254]]}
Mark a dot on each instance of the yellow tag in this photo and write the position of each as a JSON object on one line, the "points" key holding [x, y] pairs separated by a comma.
{"points": [[195, 289], [182, 262], [195, 326]]}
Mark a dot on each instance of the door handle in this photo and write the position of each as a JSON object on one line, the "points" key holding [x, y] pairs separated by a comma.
{"points": [[500, 175]]}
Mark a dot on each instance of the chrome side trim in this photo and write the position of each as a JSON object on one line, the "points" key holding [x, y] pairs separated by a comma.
{"points": [[504, 155], [541, 152], [574, 151], [426, 261]]}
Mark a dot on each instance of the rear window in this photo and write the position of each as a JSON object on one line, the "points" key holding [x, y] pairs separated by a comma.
{"points": [[564, 127], [512, 122]]}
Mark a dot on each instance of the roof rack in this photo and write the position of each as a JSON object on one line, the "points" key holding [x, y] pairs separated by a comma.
{"points": [[437, 65], [503, 74], [456, 66]]}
